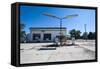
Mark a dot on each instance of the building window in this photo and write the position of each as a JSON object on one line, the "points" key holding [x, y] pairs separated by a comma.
{"points": [[47, 37], [36, 36]]}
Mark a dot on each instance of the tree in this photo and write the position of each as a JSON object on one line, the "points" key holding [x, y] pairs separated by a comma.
{"points": [[22, 26], [72, 32], [75, 33], [94, 35], [84, 36], [22, 33], [91, 35], [78, 34]]}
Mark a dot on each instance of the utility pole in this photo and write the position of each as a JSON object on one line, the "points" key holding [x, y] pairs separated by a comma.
{"points": [[85, 32]]}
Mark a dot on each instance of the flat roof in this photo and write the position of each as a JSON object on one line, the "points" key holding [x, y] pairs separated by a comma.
{"points": [[46, 28]]}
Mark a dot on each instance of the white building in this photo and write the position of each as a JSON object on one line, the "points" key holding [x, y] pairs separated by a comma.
{"points": [[44, 34]]}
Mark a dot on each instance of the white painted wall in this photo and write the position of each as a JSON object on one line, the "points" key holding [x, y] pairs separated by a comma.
{"points": [[53, 33]]}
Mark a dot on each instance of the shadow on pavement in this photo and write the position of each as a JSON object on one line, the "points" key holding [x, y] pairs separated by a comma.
{"points": [[46, 48], [53, 45]]}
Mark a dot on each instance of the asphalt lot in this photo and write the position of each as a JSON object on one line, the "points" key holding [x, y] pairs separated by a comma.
{"points": [[41, 52]]}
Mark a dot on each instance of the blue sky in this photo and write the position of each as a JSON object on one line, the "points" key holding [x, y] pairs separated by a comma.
{"points": [[32, 16]]}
